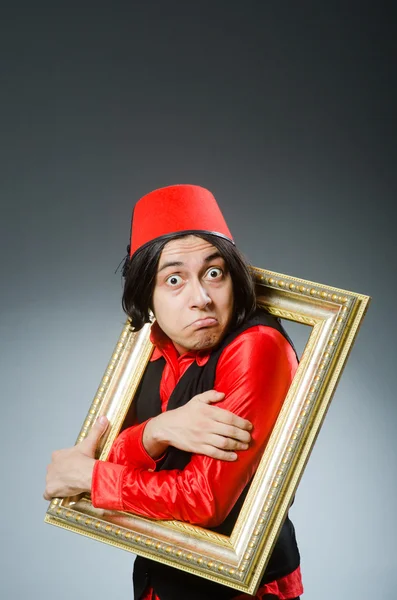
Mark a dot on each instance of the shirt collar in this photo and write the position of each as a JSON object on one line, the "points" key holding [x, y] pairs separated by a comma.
{"points": [[163, 346]]}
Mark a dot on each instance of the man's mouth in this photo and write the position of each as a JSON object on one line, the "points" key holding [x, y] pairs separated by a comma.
{"points": [[207, 322]]}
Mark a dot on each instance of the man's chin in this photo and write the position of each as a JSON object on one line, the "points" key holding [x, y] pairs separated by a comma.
{"points": [[206, 340]]}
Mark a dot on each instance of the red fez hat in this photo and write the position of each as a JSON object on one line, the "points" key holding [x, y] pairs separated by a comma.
{"points": [[173, 211]]}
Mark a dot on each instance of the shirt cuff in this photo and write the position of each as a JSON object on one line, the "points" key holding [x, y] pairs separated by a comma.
{"points": [[128, 448], [106, 486], [134, 447]]}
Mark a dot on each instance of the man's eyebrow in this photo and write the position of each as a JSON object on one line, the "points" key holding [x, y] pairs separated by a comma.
{"points": [[178, 263], [170, 264], [213, 256]]}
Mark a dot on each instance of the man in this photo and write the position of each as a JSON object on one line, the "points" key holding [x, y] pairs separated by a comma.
{"points": [[180, 456]]}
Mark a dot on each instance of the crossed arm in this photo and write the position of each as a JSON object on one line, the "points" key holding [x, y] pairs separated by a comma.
{"points": [[254, 374]]}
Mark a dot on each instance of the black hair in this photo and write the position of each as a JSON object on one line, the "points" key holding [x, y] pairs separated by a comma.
{"points": [[140, 275]]}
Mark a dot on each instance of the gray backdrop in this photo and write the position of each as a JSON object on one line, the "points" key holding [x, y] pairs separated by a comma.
{"points": [[285, 111]]}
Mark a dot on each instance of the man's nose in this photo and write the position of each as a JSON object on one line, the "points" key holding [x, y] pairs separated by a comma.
{"points": [[199, 297]]}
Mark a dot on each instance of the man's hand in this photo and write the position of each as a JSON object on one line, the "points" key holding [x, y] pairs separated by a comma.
{"points": [[199, 428], [70, 471]]}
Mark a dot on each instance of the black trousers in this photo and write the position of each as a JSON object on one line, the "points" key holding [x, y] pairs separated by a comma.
{"points": [[273, 597]]}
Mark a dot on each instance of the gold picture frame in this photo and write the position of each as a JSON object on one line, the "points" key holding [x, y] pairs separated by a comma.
{"points": [[237, 561]]}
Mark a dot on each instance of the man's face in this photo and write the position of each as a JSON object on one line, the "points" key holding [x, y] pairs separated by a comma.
{"points": [[193, 294]]}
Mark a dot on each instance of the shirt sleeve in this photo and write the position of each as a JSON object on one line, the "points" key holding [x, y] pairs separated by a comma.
{"points": [[129, 450], [255, 372]]}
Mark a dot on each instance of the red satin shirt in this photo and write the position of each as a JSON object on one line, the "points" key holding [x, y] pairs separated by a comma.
{"points": [[254, 371]]}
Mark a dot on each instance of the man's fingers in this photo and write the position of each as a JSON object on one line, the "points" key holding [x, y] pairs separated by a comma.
{"points": [[213, 452], [227, 443], [88, 446], [48, 495], [228, 418], [210, 396], [235, 433], [97, 430]]}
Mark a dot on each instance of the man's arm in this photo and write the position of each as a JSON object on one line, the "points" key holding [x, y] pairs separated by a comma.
{"points": [[197, 427], [254, 372]]}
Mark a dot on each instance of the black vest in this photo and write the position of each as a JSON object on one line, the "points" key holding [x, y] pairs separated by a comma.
{"points": [[171, 583]]}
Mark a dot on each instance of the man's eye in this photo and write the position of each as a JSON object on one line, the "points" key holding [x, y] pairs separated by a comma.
{"points": [[174, 280], [214, 273]]}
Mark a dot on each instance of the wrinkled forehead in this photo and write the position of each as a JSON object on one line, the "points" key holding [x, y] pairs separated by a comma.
{"points": [[187, 249]]}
